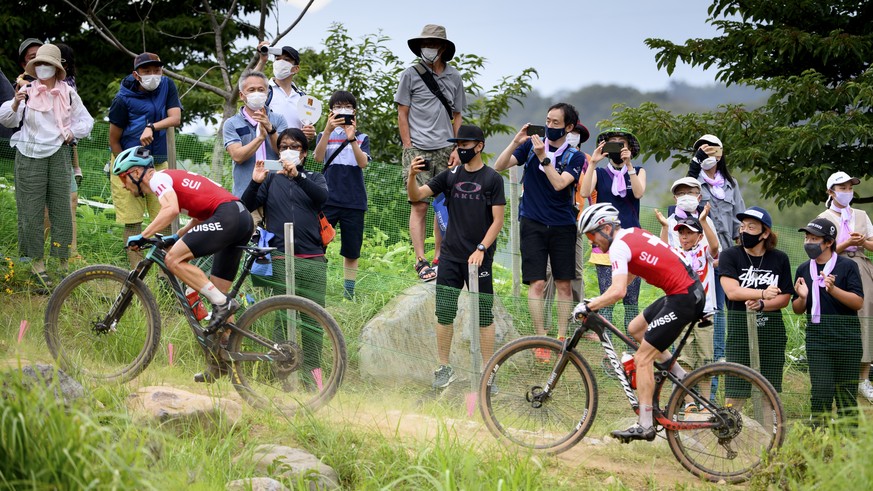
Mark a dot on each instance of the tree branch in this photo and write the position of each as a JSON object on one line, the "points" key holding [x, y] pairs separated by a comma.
{"points": [[219, 48], [293, 24]]}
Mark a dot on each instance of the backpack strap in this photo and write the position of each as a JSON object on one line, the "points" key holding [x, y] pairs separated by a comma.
{"points": [[333, 156], [431, 83]]}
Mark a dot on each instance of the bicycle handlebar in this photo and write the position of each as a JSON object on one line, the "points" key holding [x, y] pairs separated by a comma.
{"points": [[158, 241]]}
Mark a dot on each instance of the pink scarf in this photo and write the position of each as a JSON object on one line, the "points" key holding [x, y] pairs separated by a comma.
{"points": [[619, 187], [818, 281], [716, 184], [39, 99], [261, 152], [845, 231]]}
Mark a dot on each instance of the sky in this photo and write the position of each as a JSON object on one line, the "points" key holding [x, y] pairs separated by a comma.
{"points": [[578, 43]]}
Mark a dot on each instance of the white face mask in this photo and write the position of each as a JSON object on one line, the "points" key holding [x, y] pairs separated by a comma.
{"points": [[150, 82], [44, 72], [429, 54], [708, 163], [282, 69], [256, 100], [573, 139], [687, 203], [844, 198], [290, 156]]}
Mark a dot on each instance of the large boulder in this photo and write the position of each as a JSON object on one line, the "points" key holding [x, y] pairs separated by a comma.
{"points": [[162, 404], [293, 464], [398, 346]]}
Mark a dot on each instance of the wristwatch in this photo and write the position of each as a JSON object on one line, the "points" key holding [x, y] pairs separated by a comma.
{"points": [[632, 172], [547, 161], [481, 247], [272, 131], [152, 126]]}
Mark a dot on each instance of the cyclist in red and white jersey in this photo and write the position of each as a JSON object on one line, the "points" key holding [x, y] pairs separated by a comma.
{"points": [[219, 223], [635, 252]]}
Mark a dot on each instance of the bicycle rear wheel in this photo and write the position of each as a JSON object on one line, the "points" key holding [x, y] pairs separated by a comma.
{"points": [[752, 417], [303, 329], [518, 372], [83, 344]]}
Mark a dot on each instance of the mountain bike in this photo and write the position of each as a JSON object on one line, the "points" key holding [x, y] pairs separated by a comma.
{"points": [[549, 407], [284, 352]]}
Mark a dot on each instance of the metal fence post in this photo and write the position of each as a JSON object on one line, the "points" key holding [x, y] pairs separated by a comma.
{"points": [[514, 233], [171, 163], [475, 348], [755, 359]]}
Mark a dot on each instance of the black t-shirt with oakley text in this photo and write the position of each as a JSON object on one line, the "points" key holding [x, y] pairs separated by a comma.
{"points": [[756, 272], [469, 201]]}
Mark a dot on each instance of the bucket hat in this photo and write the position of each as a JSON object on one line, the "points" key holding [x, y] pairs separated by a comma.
{"points": [[51, 54], [433, 31]]}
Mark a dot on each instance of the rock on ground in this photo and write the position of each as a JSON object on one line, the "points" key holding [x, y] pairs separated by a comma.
{"points": [[163, 404], [66, 388], [256, 484], [398, 345], [293, 463]]}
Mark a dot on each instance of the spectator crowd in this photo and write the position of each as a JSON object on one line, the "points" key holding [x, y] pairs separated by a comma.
{"points": [[730, 249]]}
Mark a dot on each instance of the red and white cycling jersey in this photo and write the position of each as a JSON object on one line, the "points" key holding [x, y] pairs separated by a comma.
{"points": [[640, 253], [198, 196]]}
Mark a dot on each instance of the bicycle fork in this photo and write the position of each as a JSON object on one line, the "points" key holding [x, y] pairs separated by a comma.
{"points": [[122, 301]]}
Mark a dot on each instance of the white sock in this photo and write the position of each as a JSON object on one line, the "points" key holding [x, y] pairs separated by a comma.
{"points": [[645, 416], [678, 371], [213, 294]]}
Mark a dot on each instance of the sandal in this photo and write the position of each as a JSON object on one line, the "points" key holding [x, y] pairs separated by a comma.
{"points": [[425, 272]]}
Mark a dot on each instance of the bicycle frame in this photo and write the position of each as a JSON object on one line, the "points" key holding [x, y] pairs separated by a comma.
{"points": [[156, 255], [601, 327]]}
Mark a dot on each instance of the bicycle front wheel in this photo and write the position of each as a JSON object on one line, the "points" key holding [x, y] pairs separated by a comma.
{"points": [[511, 382], [85, 342], [750, 421], [309, 334]]}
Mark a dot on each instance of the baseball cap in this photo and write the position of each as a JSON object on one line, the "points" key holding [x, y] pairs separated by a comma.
{"points": [[840, 178], [468, 132], [709, 140], [689, 222], [757, 213], [584, 134], [143, 59], [293, 53], [685, 181], [820, 227], [26, 44]]}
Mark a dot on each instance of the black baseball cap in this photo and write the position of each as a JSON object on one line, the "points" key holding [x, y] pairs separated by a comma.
{"points": [[144, 59], [469, 132], [293, 53], [689, 222], [820, 227]]}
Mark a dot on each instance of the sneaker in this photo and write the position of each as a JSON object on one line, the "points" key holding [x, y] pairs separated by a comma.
{"points": [[443, 376], [543, 355], [866, 390], [635, 432], [215, 369], [220, 313]]}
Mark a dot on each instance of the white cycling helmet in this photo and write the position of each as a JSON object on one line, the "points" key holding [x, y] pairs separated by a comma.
{"points": [[596, 215]]}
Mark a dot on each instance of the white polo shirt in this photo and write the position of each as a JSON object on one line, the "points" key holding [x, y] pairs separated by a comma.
{"points": [[286, 104]]}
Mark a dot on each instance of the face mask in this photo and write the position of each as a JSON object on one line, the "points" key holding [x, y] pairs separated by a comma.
{"points": [[555, 134], [282, 69], [150, 82], [466, 154], [573, 139], [291, 156], [812, 249], [256, 100], [708, 163], [844, 198], [749, 241], [687, 203], [44, 72], [429, 54]]}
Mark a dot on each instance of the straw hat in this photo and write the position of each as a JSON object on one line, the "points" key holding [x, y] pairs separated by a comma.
{"points": [[50, 54]]}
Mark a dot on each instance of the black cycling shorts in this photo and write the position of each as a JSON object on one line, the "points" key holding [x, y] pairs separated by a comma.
{"points": [[668, 316], [221, 234]]}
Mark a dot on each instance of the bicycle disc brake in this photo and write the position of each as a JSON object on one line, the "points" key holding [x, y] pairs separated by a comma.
{"points": [[290, 357], [536, 397], [99, 327], [731, 427]]}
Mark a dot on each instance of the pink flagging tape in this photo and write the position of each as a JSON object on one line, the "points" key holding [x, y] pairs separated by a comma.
{"points": [[316, 374], [471, 403], [22, 329], [170, 353]]}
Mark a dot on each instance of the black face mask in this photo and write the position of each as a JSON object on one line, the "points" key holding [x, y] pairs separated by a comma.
{"points": [[748, 240], [812, 249], [466, 154], [555, 134]]}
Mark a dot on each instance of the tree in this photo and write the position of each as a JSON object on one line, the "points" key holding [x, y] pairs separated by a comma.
{"points": [[812, 56]]}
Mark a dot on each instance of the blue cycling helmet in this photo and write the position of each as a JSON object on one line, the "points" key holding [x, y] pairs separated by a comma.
{"points": [[133, 157]]}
